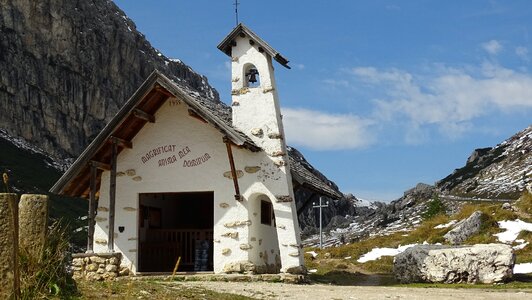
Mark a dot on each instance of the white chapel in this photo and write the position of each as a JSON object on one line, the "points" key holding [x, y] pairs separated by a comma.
{"points": [[175, 176]]}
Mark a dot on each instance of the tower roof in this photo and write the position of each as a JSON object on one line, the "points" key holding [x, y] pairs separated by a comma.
{"points": [[241, 30]]}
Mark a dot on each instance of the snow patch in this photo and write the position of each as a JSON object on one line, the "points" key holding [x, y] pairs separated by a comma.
{"points": [[313, 253], [513, 228], [520, 246], [524, 268], [445, 225], [377, 253]]}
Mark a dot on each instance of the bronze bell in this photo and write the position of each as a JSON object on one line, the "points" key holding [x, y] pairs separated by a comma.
{"points": [[252, 75]]}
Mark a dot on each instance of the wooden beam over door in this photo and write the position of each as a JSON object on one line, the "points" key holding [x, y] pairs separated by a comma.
{"points": [[120, 142], [227, 142], [100, 165], [143, 115]]}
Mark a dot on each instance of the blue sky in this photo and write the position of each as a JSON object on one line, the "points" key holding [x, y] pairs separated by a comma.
{"points": [[381, 94]]}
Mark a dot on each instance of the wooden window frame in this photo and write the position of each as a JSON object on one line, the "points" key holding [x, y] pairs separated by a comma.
{"points": [[267, 216]]}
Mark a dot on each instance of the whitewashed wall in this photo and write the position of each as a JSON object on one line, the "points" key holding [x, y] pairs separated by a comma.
{"points": [[174, 126]]}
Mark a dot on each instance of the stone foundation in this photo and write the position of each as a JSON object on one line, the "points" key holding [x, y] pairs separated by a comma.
{"points": [[97, 266]]}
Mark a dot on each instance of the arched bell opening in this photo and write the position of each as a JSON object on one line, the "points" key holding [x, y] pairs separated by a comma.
{"points": [[251, 76], [265, 253]]}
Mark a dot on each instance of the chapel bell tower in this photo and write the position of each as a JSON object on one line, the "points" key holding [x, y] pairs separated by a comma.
{"points": [[256, 113], [255, 103]]}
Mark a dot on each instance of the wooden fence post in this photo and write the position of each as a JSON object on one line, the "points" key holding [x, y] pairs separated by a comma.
{"points": [[33, 223], [9, 271]]}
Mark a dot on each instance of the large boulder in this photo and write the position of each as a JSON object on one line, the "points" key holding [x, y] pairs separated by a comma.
{"points": [[482, 263], [464, 229]]}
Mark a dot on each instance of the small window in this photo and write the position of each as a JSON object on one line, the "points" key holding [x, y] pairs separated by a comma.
{"points": [[266, 213]]}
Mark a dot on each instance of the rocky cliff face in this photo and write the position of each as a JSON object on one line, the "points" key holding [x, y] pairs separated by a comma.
{"points": [[499, 172], [66, 66]]}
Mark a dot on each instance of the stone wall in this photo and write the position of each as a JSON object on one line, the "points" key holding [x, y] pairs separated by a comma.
{"points": [[97, 266]]}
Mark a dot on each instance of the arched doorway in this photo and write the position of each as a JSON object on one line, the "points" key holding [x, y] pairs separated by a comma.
{"points": [[265, 253]]}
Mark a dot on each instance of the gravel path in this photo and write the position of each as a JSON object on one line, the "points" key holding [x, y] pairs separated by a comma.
{"points": [[264, 290]]}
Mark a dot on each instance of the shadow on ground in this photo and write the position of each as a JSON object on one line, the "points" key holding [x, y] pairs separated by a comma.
{"points": [[356, 278], [359, 279]]}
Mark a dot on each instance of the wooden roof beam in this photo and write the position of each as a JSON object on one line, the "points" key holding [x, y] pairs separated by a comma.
{"points": [[121, 142], [163, 91], [100, 165], [143, 115]]}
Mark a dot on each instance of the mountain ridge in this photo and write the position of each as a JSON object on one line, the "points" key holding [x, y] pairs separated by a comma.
{"points": [[55, 51]]}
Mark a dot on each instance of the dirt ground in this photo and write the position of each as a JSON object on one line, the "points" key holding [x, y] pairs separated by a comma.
{"points": [[264, 290]]}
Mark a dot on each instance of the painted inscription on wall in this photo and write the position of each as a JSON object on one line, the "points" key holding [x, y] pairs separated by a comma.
{"points": [[168, 156]]}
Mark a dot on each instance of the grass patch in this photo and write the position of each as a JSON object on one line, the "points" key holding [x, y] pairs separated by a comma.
{"points": [[148, 289], [492, 213], [524, 203], [45, 274]]}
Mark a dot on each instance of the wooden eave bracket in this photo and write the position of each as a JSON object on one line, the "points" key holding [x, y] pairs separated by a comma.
{"points": [[143, 115], [163, 91], [100, 165], [121, 142]]}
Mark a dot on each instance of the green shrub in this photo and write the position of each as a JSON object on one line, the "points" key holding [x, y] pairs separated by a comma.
{"points": [[434, 208]]}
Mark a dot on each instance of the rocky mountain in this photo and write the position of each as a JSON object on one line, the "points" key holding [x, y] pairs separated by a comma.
{"points": [[66, 66], [494, 173], [500, 173]]}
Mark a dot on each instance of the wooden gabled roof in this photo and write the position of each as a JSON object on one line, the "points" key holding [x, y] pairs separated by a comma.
{"points": [[139, 110], [228, 42], [307, 176]]}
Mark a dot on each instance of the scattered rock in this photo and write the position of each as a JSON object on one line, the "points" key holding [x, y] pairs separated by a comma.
{"points": [[232, 235], [284, 198], [237, 223], [482, 263], [275, 136], [464, 229], [256, 132], [239, 267], [297, 270], [229, 175], [252, 169], [245, 246]]}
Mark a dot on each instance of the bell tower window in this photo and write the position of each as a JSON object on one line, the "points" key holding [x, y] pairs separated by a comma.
{"points": [[252, 76]]}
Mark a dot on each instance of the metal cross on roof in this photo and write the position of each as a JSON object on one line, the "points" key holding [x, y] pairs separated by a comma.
{"points": [[236, 10]]}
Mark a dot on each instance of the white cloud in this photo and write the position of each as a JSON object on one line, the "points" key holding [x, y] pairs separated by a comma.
{"points": [[322, 131], [492, 47], [299, 66], [522, 52], [449, 100]]}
